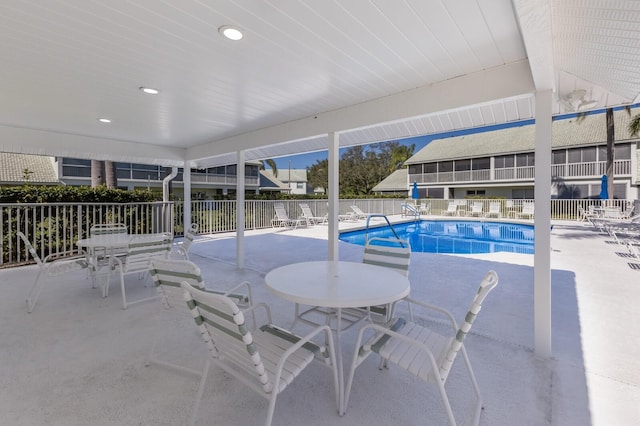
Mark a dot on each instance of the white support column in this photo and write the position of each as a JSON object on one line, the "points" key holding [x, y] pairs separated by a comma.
{"points": [[186, 183], [542, 222], [333, 194], [240, 211]]}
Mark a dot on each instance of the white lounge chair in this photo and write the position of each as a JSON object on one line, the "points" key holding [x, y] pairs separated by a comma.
{"points": [[477, 209], [494, 210], [359, 214], [452, 209], [527, 211], [267, 359], [53, 265], [282, 219], [420, 350], [307, 215], [424, 208]]}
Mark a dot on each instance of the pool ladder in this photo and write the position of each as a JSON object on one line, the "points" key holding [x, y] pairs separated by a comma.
{"points": [[380, 215]]}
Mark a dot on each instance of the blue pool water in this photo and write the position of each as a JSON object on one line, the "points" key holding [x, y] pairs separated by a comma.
{"points": [[454, 236]]}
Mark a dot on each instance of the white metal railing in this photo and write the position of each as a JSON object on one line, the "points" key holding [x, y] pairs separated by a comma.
{"points": [[574, 170], [56, 227]]}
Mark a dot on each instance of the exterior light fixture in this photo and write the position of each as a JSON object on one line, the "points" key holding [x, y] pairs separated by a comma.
{"points": [[230, 32], [149, 90], [104, 120]]}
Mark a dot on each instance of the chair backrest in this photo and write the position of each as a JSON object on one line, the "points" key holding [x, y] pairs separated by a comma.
{"points": [[488, 283], [144, 248], [453, 206], [167, 276], [223, 328], [281, 212], [306, 210], [189, 235], [108, 228], [29, 247], [477, 207], [528, 208], [494, 208], [388, 252], [358, 210]]}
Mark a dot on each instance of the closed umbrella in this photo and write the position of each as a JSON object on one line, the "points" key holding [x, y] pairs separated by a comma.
{"points": [[604, 188], [415, 194]]}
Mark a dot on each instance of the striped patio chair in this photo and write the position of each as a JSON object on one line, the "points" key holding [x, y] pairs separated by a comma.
{"points": [[141, 251], [189, 235], [53, 265], [266, 360], [167, 275], [422, 352]]}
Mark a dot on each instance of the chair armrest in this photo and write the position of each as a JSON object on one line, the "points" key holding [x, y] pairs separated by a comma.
{"points": [[65, 255], [300, 343], [443, 311], [262, 305], [236, 287]]}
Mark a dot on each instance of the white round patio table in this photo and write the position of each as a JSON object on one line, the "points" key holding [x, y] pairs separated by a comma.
{"points": [[337, 284]]}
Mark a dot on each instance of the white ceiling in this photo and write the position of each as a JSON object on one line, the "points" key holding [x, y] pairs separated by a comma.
{"points": [[371, 70]]}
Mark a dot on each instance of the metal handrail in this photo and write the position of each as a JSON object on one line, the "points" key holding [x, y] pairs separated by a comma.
{"points": [[366, 229]]}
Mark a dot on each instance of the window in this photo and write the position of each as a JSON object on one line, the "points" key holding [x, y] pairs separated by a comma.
{"points": [[525, 160], [445, 166], [463, 165], [76, 161], [503, 162], [300, 185], [522, 194], [559, 157], [76, 171], [589, 154], [415, 169], [435, 192], [481, 163], [473, 192], [622, 152], [430, 168], [619, 190]]}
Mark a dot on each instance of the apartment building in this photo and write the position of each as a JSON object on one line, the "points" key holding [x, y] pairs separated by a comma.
{"points": [[502, 162]]}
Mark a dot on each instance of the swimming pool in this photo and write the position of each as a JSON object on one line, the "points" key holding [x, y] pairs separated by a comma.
{"points": [[454, 236]]}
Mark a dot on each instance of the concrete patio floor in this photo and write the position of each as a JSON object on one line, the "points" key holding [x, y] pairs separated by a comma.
{"points": [[79, 359]]}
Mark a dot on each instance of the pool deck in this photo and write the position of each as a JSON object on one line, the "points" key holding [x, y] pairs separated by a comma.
{"points": [[80, 359]]}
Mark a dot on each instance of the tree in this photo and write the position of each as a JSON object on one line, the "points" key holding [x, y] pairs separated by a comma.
{"points": [[272, 164], [110, 175], [97, 175], [103, 173], [634, 125], [318, 174]]}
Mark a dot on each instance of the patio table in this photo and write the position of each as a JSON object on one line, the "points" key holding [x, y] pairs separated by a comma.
{"points": [[337, 285]]}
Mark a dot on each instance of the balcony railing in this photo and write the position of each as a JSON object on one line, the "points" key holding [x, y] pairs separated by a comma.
{"points": [[525, 173]]}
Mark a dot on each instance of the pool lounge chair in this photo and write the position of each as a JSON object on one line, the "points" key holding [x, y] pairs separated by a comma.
{"points": [[494, 210], [308, 216], [527, 211], [477, 209], [452, 209], [359, 214], [424, 208], [282, 219]]}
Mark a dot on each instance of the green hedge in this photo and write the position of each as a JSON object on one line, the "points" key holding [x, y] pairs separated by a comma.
{"points": [[73, 194]]}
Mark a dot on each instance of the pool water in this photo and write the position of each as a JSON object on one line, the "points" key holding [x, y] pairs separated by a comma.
{"points": [[454, 236]]}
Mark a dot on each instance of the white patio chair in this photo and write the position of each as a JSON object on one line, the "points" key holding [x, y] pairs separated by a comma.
{"points": [[424, 208], [477, 209], [527, 211], [308, 216], [452, 209], [494, 210], [141, 251], [282, 219], [189, 235], [421, 351], [167, 276], [266, 360], [53, 265], [358, 213]]}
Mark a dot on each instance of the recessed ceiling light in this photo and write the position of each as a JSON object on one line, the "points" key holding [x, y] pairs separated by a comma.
{"points": [[149, 90], [104, 120], [232, 33]]}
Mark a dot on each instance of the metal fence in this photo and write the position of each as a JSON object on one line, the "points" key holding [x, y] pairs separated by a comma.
{"points": [[56, 227]]}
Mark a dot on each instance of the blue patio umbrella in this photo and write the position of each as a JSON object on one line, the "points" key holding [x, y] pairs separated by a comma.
{"points": [[604, 188], [415, 194]]}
